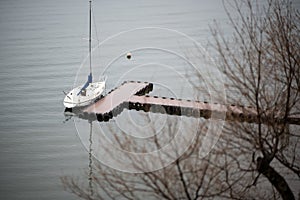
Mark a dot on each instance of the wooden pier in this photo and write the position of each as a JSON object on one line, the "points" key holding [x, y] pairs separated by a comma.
{"points": [[132, 95], [116, 100]]}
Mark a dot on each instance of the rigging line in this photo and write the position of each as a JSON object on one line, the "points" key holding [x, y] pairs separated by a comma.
{"points": [[96, 32], [94, 23]]}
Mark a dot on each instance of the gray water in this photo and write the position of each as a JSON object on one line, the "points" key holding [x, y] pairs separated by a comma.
{"points": [[41, 51]]}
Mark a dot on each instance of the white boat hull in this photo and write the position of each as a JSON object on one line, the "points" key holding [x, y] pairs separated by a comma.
{"points": [[79, 98]]}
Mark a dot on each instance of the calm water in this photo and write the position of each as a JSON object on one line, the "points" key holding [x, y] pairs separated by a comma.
{"points": [[41, 50]]}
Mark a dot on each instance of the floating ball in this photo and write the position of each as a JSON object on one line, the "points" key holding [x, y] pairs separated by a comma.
{"points": [[128, 56]]}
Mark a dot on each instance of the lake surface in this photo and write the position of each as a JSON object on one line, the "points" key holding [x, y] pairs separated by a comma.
{"points": [[41, 52]]}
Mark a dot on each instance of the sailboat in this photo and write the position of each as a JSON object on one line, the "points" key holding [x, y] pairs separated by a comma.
{"points": [[91, 91]]}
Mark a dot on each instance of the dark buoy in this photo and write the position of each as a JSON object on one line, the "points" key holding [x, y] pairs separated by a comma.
{"points": [[128, 56]]}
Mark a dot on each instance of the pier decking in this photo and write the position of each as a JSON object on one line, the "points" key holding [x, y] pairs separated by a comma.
{"points": [[115, 101], [132, 95]]}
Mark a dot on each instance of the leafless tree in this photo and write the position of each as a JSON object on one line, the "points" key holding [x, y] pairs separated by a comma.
{"points": [[261, 63], [259, 160]]}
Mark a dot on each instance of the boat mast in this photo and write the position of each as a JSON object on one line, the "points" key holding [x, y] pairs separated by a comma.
{"points": [[90, 38]]}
